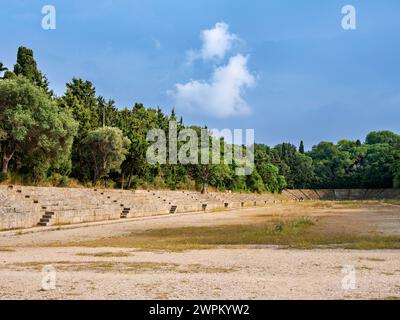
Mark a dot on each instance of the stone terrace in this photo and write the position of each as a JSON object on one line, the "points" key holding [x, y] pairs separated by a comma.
{"points": [[26, 207]]}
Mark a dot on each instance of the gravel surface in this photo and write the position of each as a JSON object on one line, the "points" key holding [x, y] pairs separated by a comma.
{"points": [[252, 272], [255, 273]]}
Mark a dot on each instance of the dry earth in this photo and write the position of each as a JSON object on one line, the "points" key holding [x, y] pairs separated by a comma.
{"points": [[221, 272]]}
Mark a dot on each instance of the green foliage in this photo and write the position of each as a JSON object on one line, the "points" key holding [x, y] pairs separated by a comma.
{"points": [[35, 133], [26, 66], [301, 147], [350, 164], [270, 176], [377, 137], [84, 136], [255, 182], [2, 68], [396, 181], [104, 150]]}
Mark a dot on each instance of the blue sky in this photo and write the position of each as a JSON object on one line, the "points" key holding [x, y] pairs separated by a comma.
{"points": [[290, 71]]}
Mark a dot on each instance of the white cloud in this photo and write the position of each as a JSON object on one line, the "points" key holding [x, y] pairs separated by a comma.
{"points": [[221, 96], [216, 42]]}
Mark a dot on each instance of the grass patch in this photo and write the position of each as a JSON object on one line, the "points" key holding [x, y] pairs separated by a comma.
{"points": [[335, 204], [121, 267], [300, 233], [392, 202], [275, 232], [6, 250], [373, 259], [105, 254]]}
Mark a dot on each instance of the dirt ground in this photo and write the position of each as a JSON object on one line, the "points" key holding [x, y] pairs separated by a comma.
{"points": [[220, 272]]}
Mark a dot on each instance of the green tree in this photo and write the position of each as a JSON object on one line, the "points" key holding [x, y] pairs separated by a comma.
{"points": [[2, 68], [32, 127], [80, 99], [26, 66], [104, 149], [388, 137], [330, 163], [380, 166], [108, 112], [255, 182], [302, 170], [297, 168], [396, 181], [301, 148]]}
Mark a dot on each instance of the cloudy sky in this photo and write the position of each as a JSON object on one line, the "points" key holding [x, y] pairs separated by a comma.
{"points": [[285, 68]]}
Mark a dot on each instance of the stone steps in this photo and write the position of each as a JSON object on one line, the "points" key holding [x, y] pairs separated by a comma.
{"points": [[24, 207]]}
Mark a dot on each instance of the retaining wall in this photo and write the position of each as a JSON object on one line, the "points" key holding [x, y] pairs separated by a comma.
{"points": [[26, 207]]}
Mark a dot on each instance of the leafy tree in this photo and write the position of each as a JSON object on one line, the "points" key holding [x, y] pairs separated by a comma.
{"points": [[255, 182], [32, 127], [396, 181], [108, 112], [269, 174], [380, 166], [297, 168], [37, 130], [302, 170], [104, 150], [330, 164], [80, 99], [388, 137]]}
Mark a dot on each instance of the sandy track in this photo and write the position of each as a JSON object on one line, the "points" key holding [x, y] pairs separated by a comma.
{"points": [[264, 273], [253, 272]]}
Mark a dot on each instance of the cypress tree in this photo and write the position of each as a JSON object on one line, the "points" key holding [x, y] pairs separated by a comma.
{"points": [[301, 148], [26, 65]]}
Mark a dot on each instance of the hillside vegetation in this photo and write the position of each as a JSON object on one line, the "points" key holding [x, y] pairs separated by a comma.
{"points": [[82, 138]]}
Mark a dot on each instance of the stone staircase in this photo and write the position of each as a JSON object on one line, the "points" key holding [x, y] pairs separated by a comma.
{"points": [[125, 212], [46, 218]]}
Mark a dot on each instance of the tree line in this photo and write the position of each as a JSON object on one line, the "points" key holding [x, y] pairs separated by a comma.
{"points": [[82, 138]]}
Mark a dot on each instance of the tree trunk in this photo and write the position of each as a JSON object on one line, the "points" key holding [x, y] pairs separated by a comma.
{"points": [[95, 177], [6, 161], [122, 181], [129, 181], [5, 165], [204, 189]]}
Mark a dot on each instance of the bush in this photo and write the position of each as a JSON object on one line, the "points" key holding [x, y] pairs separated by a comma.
{"points": [[396, 182], [159, 183], [59, 180]]}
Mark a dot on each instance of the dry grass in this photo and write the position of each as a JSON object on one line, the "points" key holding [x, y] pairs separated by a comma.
{"points": [[373, 259], [6, 250], [105, 254], [121, 267], [187, 238], [300, 232]]}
